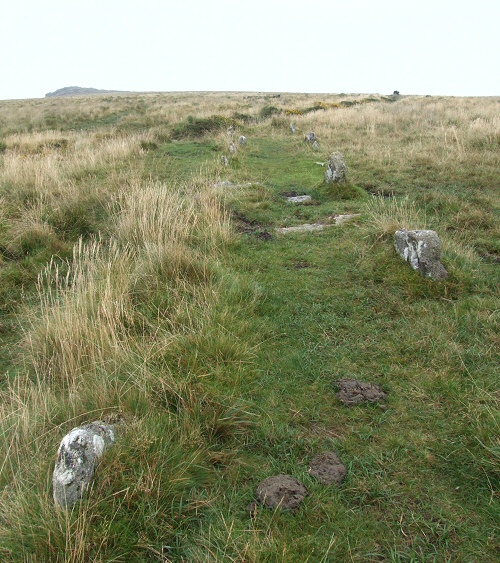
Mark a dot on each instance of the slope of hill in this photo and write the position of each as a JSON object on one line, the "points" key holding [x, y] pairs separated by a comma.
{"points": [[144, 282]]}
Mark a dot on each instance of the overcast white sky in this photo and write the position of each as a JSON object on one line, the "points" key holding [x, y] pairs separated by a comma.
{"points": [[437, 47]]}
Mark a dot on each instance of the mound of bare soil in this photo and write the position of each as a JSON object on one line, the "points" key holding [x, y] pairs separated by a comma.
{"points": [[352, 392], [281, 491], [327, 468]]}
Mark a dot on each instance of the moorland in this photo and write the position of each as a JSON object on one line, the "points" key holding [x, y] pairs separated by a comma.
{"points": [[143, 283]]}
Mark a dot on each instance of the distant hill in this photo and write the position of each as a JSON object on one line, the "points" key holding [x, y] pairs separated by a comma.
{"points": [[78, 91]]}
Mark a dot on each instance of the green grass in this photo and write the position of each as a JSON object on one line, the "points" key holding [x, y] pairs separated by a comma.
{"points": [[224, 368]]}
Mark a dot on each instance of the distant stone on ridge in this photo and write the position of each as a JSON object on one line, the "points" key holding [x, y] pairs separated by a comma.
{"points": [[77, 458], [281, 491], [327, 468], [352, 392], [336, 170], [422, 250]]}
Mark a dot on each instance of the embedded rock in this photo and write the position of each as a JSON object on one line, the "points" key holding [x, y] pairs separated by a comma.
{"points": [[232, 148], [352, 392], [229, 184], [306, 227], [281, 491], [422, 250], [336, 170], [341, 219], [337, 220], [77, 457], [327, 468], [298, 198], [242, 140]]}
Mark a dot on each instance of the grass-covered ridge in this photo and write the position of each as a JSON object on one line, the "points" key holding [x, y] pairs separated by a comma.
{"points": [[134, 291]]}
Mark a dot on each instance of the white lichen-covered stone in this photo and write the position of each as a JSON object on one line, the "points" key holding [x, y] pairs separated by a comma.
{"points": [[341, 219], [299, 228], [77, 457], [337, 220], [422, 250], [298, 198], [228, 184], [336, 169]]}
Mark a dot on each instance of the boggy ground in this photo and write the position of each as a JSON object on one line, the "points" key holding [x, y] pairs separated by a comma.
{"points": [[175, 309]]}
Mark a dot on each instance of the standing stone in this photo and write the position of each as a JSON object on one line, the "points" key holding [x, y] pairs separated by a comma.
{"points": [[336, 170], [315, 146], [230, 130], [77, 457], [292, 128], [224, 160], [310, 137], [422, 250], [242, 140], [232, 148]]}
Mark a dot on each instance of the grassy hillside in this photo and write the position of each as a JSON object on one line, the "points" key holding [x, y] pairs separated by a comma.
{"points": [[143, 283]]}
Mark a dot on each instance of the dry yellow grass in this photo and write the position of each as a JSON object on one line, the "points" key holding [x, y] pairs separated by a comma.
{"points": [[424, 131]]}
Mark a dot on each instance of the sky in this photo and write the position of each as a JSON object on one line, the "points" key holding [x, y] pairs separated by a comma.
{"points": [[435, 47]]}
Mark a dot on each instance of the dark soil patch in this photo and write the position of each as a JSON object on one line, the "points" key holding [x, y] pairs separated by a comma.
{"points": [[245, 225], [327, 468], [301, 264], [263, 235], [352, 392], [281, 491], [491, 258], [250, 227]]}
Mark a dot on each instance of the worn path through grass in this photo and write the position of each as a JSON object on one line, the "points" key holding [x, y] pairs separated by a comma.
{"points": [[335, 304]]}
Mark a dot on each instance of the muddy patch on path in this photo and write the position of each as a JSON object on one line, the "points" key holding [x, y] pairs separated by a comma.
{"points": [[249, 227]]}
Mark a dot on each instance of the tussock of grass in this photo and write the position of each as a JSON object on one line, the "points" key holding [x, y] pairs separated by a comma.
{"points": [[387, 215], [199, 126]]}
